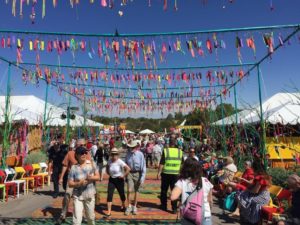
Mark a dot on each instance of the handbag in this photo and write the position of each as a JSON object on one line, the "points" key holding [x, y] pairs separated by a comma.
{"points": [[230, 202]]}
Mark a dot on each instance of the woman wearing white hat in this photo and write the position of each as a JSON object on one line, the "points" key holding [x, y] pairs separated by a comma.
{"points": [[117, 170]]}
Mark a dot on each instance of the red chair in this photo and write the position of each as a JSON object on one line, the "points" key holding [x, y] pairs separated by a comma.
{"points": [[38, 180], [9, 186], [272, 210]]}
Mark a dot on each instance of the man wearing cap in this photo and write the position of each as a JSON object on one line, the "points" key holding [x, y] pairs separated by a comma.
{"points": [[67, 163], [169, 168], [136, 162]]}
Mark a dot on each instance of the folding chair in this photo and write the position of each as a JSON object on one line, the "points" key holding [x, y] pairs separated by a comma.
{"points": [[37, 171], [8, 185], [38, 179], [10, 177], [44, 170], [21, 175]]}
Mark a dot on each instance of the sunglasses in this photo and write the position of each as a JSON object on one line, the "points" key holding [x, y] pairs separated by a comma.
{"points": [[83, 153]]}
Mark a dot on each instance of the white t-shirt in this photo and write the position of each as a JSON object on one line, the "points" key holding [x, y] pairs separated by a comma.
{"points": [[94, 150], [188, 187], [115, 169], [157, 149]]}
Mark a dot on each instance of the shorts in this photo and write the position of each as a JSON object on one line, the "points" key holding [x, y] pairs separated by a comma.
{"points": [[156, 158], [134, 182]]}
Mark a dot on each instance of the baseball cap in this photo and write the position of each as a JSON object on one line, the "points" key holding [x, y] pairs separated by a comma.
{"points": [[80, 150]]}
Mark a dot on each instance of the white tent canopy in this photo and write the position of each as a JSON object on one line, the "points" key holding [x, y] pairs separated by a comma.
{"points": [[129, 132], [281, 108], [147, 131], [32, 109]]}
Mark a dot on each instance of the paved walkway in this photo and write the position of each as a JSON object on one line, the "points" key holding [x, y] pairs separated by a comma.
{"points": [[41, 208]]}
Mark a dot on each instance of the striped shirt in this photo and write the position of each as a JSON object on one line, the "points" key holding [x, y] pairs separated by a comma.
{"points": [[78, 173]]}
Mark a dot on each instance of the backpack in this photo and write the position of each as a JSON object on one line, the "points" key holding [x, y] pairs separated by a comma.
{"points": [[230, 203], [192, 209]]}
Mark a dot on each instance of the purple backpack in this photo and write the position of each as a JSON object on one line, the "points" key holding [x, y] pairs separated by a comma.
{"points": [[192, 209]]}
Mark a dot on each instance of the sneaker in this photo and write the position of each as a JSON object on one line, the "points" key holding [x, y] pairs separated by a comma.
{"points": [[134, 210], [128, 210]]}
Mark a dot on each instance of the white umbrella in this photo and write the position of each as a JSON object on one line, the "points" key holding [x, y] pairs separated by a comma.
{"points": [[147, 131]]}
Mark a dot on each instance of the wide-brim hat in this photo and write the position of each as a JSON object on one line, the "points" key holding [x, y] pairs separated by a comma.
{"points": [[114, 151], [133, 144]]}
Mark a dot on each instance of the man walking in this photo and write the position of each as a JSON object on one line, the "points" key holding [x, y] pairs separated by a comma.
{"points": [[169, 167], [136, 162], [56, 154]]}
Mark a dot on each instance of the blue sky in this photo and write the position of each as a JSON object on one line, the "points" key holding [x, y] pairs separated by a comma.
{"points": [[279, 74]]}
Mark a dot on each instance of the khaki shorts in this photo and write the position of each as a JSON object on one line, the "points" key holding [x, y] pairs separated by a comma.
{"points": [[134, 182]]}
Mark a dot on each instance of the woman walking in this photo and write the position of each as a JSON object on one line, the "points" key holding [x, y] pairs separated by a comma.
{"points": [[82, 178], [117, 171], [190, 177]]}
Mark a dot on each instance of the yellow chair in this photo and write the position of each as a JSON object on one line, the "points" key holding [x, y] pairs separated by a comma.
{"points": [[275, 190], [37, 171], [20, 172], [44, 170]]}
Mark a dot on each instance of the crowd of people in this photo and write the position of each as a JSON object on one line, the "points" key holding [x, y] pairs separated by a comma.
{"points": [[184, 167]]}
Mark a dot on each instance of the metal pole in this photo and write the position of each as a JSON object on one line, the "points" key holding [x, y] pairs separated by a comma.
{"points": [[223, 128], [262, 124], [6, 122], [236, 117], [68, 121], [45, 113], [84, 113]]}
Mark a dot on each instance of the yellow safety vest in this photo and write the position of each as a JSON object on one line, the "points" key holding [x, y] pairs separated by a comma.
{"points": [[173, 159]]}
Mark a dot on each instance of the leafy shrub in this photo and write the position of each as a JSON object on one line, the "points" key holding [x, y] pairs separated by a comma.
{"points": [[35, 157], [280, 175]]}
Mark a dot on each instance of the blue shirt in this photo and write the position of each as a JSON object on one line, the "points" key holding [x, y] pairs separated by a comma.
{"points": [[136, 162]]}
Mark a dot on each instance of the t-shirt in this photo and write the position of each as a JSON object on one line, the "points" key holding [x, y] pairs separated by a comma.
{"points": [[78, 173], [247, 175], [188, 187], [94, 149], [229, 172], [57, 156], [157, 150], [115, 169]]}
